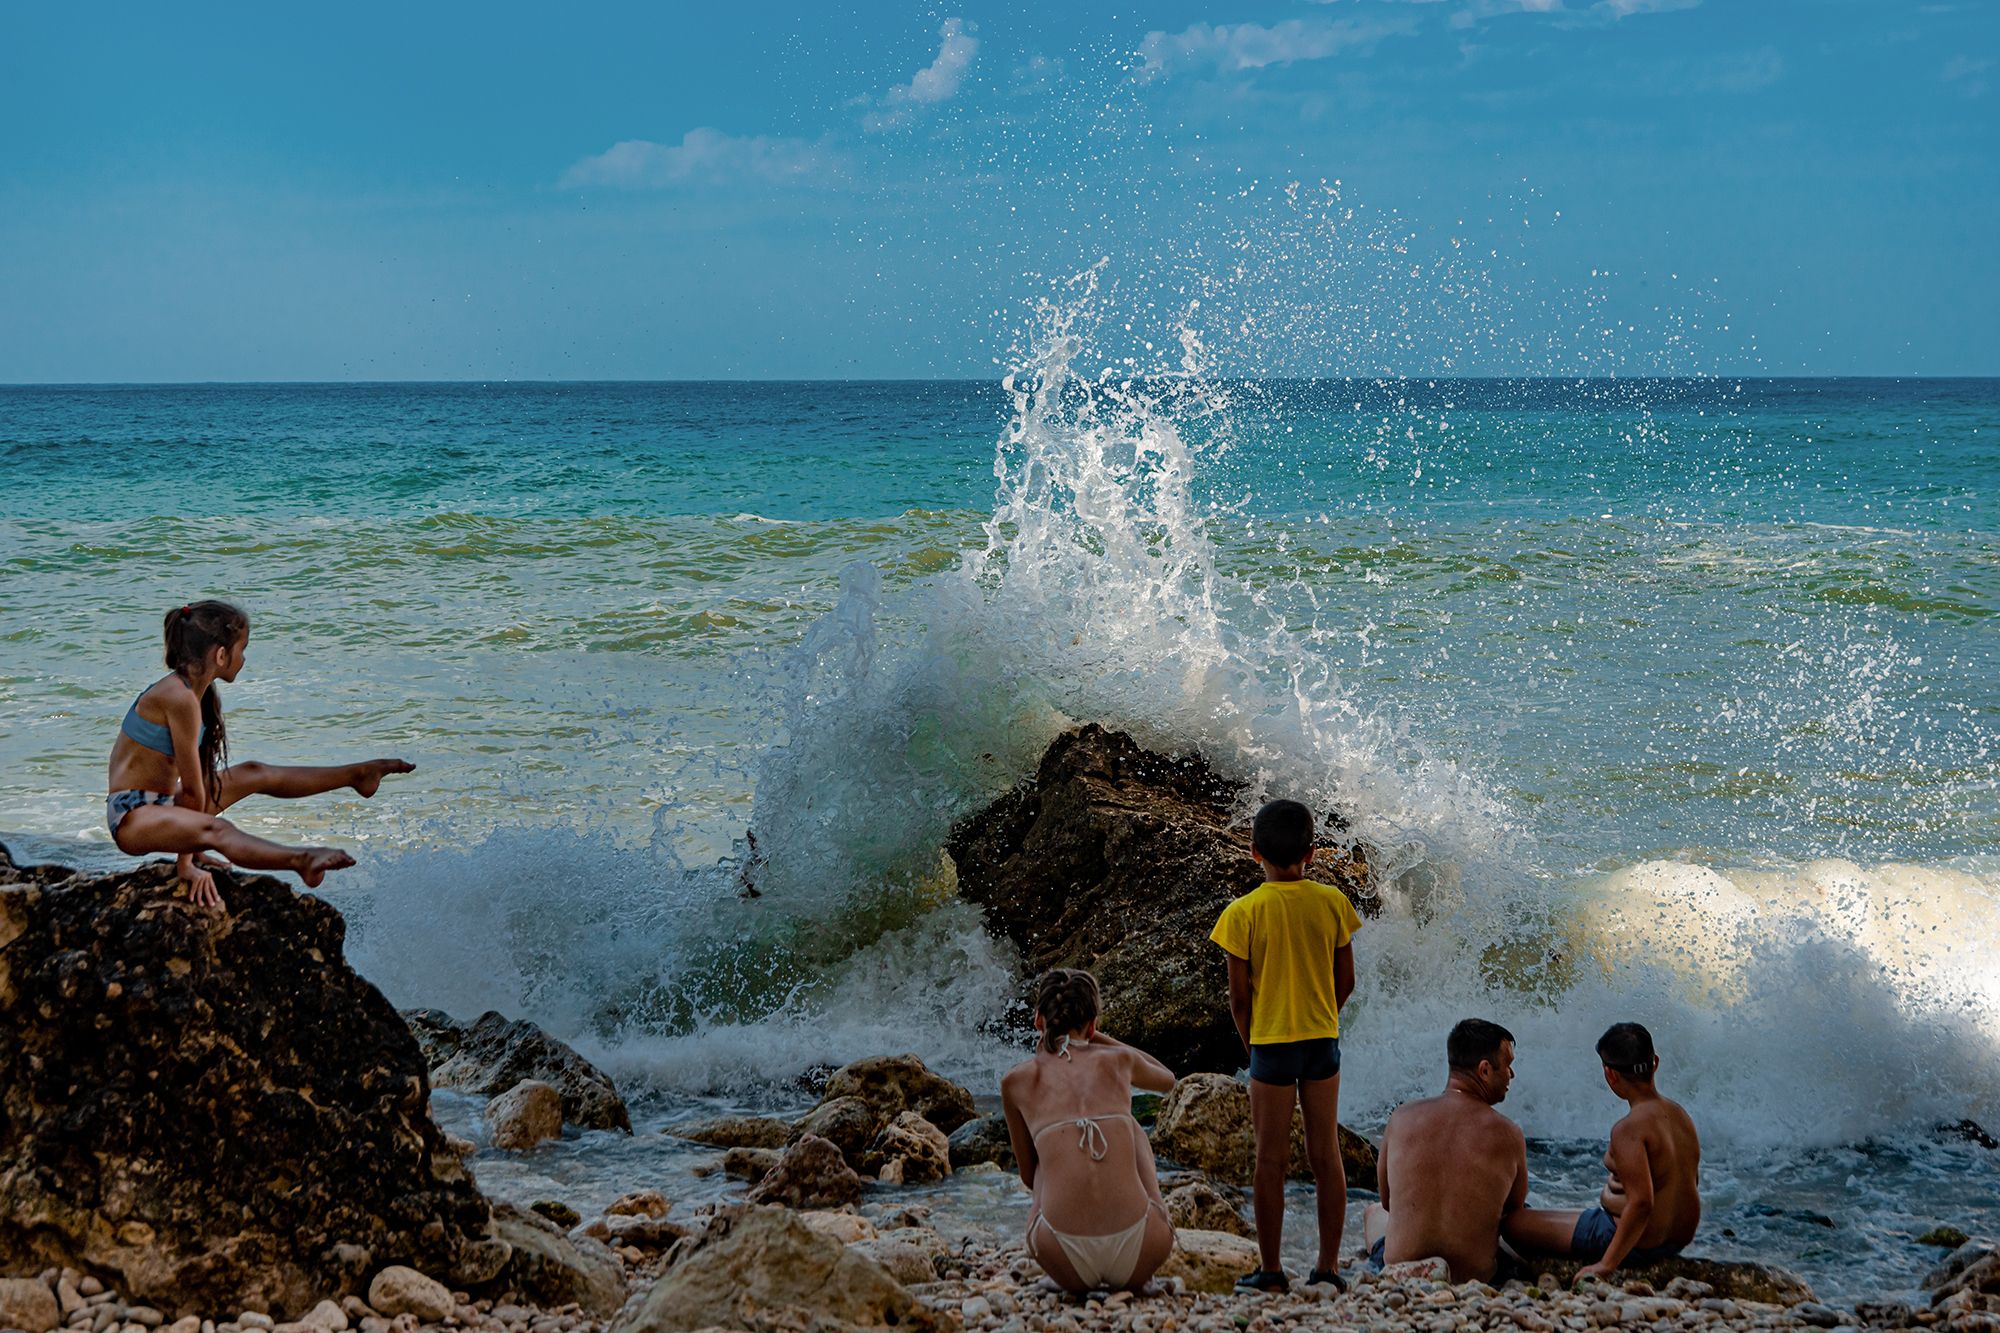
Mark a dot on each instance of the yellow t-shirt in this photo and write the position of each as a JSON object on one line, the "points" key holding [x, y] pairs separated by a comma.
{"points": [[1288, 933]]}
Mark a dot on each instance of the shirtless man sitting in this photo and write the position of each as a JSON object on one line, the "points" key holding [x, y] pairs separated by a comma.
{"points": [[1651, 1204], [1451, 1167]]}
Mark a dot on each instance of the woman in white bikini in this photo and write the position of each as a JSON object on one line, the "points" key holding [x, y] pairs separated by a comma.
{"points": [[1098, 1220], [170, 774]]}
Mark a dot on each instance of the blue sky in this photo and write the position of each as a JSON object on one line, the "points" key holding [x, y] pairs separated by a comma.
{"points": [[200, 192]]}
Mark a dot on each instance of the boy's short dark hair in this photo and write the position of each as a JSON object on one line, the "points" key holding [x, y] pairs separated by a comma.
{"points": [[1283, 833], [1473, 1040], [1628, 1048]]}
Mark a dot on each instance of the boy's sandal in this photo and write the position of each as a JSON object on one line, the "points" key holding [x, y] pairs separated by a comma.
{"points": [[1264, 1279], [1327, 1275]]}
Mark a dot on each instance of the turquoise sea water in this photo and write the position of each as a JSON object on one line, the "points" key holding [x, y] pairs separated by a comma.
{"points": [[1681, 697]]}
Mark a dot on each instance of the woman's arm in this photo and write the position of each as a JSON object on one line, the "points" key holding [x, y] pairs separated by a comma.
{"points": [[1147, 1074]]}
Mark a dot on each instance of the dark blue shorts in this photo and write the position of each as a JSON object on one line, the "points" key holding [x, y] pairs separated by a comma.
{"points": [[1294, 1062], [1592, 1237], [1375, 1252]]}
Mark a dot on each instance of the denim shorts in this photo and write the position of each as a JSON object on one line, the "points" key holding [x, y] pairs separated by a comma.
{"points": [[1293, 1062], [1592, 1237]]}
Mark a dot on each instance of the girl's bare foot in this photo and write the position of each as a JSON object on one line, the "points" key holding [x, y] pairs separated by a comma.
{"points": [[314, 862], [375, 770]]}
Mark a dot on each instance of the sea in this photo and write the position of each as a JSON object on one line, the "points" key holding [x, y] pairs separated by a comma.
{"points": [[1668, 699]]}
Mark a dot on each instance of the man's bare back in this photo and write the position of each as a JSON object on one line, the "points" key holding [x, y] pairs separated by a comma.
{"points": [[1449, 1169], [1672, 1151]]}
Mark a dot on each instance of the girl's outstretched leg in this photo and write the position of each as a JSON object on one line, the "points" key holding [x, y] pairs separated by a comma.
{"points": [[171, 828], [290, 781]]}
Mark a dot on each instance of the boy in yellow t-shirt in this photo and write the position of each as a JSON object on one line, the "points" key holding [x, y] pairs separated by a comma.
{"points": [[1291, 967]]}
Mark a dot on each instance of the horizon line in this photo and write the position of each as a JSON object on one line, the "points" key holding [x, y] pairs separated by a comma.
{"points": [[1704, 378]]}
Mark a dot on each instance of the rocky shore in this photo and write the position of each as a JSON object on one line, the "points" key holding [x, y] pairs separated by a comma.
{"points": [[210, 1124]]}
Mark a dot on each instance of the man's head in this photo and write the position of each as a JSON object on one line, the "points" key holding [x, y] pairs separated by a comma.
{"points": [[1282, 837], [1481, 1056], [1629, 1059]]}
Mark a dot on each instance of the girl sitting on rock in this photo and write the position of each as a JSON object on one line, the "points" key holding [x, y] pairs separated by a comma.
{"points": [[1098, 1220], [170, 774]]}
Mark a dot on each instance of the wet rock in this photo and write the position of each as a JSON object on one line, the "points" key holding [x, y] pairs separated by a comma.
{"points": [[908, 1264], [982, 1140], [557, 1212], [848, 1123], [764, 1261], [811, 1174], [635, 1230], [1205, 1124], [891, 1084], [399, 1290], [751, 1164], [640, 1203], [528, 1113], [27, 1303], [1199, 1206], [1209, 1260], [492, 1054], [1967, 1254], [204, 1107], [1944, 1237], [1968, 1131], [844, 1227], [1727, 1279], [1117, 859], [912, 1150], [553, 1269], [736, 1131]]}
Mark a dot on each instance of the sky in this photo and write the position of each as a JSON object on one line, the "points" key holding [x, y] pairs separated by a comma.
{"points": [[508, 191]]}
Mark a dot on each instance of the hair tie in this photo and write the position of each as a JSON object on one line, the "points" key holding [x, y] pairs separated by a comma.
{"points": [[187, 610]]}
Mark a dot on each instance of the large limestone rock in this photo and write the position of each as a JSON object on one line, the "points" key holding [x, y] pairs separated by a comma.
{"points": [[1734, 1280], [1205, 1124], [912, 1151], [492, 1054], [528, 1113], [880, 1112], [27, 1304], [736, 1131], [211, 1111], [1209, 1261], [757, 1265], [1200, 1206], [1118, 860], [983, 1140], [811, 1174], [892, 1084], [552, 1269]]}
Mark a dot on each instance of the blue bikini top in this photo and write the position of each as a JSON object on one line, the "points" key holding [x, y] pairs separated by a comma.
{"points": [[153, 735]]}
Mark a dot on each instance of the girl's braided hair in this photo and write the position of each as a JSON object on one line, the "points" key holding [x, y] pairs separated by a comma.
{"points": [[1066, 1001]]}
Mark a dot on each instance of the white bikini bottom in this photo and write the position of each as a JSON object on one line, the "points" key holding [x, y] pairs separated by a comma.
{"points": [[1101, 1261]]}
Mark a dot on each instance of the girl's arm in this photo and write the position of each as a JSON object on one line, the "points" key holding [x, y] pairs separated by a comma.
{"points": [[184, 723]]}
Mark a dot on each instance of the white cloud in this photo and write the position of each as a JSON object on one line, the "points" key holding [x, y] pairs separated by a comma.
{"points": [[1968, 73], [702, 155], [1601, 11], [936, 82], [1743, 73], [1233, 47]]}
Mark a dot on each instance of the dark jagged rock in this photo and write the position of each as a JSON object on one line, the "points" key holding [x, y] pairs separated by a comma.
{"points": [[983, 1140], [491, 1054], [212, 1111], [1117, 859]]}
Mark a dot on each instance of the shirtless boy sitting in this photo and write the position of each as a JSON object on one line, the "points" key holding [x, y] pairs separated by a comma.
{"points": [[1652, 1203], [1451, 1167]]}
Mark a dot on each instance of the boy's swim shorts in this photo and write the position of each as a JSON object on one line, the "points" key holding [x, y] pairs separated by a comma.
{"points": [[1295, 1061], [1594, 1230]]}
